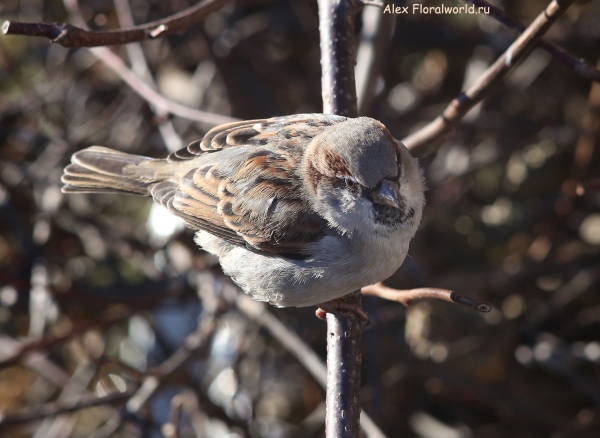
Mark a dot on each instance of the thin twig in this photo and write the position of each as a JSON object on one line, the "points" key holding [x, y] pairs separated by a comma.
{"points": [[581, 66], [372, 3], [193, 342], [141, 395], [375, 37], [36, 361], [139, 66], [107, 318], [407, 296], [117, 65], [29, 351], [161, 103], [52, 427], [72, 36], [461, 105], [191, 406], [109, 427], [258, 313], [586, 144], [55, 408], [171, 429]]}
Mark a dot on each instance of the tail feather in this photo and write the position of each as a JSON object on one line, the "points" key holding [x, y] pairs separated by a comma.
{"points": [[101, 170]]}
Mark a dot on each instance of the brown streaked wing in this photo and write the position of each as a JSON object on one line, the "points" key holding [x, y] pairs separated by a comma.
{"points": [[263, 202], [187, 208], [263, 209], [257, 203], [248, 132]]}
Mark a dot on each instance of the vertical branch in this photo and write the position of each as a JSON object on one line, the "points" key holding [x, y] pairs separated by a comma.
{"points": [[336, 26], [375, 38], [343, 373], [139, 66]]}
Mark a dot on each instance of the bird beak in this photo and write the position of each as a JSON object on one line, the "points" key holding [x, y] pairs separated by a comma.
{"points": [[387, 194]]}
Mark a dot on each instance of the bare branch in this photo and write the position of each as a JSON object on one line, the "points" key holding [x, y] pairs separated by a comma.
{"points": [[336, 26], [30, 351], [146, 92], [158, 101], [375, 37], [581, 66], [461, 105], [585, 148], [83, 38], [193, 342], [73, 391], [110, 426], [139, 66], [407, 296], [36, 361], [109, 317], [60, 407], [258, 313], [171, 429], [72, 36]]}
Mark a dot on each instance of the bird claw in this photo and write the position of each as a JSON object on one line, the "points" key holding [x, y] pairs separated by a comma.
{"points": [[341, 308]]}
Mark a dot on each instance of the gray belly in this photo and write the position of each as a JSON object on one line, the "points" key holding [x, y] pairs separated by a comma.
{"points": [[338, 269]]}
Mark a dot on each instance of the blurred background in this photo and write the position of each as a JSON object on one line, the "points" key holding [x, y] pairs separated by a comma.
{"points": [[98, 291]]}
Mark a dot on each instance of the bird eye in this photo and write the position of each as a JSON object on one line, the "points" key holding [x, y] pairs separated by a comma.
{"points": [[350, 183]]}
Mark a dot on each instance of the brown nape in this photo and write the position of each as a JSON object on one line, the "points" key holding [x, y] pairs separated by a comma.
{"points": [[334, 163], [324, 164]]}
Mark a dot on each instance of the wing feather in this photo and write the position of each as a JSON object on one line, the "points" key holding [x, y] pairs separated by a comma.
{"points": [[246, 188]]}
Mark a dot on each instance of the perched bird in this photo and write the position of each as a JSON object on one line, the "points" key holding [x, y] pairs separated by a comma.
{"points": [[300, 210]]}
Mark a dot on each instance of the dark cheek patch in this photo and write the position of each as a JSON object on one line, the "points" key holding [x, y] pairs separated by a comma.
{"points": [[390, 216]]}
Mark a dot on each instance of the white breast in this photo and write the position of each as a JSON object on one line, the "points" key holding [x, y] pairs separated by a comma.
{"points": [[341, 265]]}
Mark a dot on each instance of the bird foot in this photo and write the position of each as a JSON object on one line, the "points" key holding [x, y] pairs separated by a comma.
{"points": [[342, 308]]}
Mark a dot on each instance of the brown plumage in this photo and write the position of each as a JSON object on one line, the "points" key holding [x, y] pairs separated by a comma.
{"points": [[253, 198], [278, 188]]}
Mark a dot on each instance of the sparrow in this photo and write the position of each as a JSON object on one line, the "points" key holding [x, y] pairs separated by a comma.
{"points": [[300, 209]]}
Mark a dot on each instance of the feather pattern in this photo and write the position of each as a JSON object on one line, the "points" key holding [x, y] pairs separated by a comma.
{"points": [[299, 209], [233, 187]]}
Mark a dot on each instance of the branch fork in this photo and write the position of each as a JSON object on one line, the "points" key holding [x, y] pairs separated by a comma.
{"points": [[68, 35]]}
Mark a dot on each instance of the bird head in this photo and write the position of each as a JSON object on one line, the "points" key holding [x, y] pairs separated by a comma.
{"points": [[362, 179]]}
